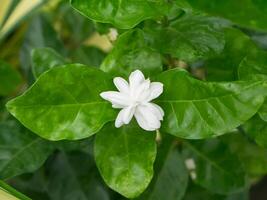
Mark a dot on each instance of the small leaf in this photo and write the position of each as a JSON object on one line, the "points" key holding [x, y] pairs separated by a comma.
{"points": [[254, 67], [40, 33], [216, 168], [64, 103], [9, 79], [80, 177], [125, 157], [131, 52], [20, 150], [224, 67], [189, 38], [195, 109], [123, 14], [44, 59], [252, 157], [90, 56], [256, 128]]}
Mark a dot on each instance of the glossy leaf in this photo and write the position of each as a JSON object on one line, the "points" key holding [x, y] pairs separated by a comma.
{"points": [[131, 52], [64, 103], [195, 109], [20, 150], [238, 14], [43, 59], [216, 168], [122, 14], [189, 38], [125, 158], [170, 180], [9, 79]]}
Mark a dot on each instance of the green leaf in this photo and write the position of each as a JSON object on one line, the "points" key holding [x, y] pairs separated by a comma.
{"points": [[233, 10], [224, 67], [132, 52], [122, 14], [64, 103], [20, 150], [125, 157], [170, 181], [74, 174], [10, 79], [256, 128], [80, 177], [216, 168], [9, 193], [254, 67], [252, 157], [43, 59], [189, 38], [72, 27], [195, 109], [90, 56], [40, 33]]}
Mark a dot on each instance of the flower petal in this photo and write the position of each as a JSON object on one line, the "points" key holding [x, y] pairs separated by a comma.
{"points": [[156, 110], [135, 79], [116, 98], [119, 121], [142, 91], [146, 119], [156, 88], [128, 113], [121, 84]]}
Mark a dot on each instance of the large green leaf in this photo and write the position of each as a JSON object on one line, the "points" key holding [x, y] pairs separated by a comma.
{"points": [[195, 109], [125, 158], [43, 59], [216, 168], [248, 13], [122, 14], [189, 38], [64, 103], [20, 150], [132, 52], [171, 177], [9, 79], [254, 67]]}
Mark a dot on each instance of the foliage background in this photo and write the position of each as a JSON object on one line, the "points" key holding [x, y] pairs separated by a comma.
{"points": [[39, 35]]}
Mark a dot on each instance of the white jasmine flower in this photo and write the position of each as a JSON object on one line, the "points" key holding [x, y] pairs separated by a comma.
{"points": [[134, 98]]}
